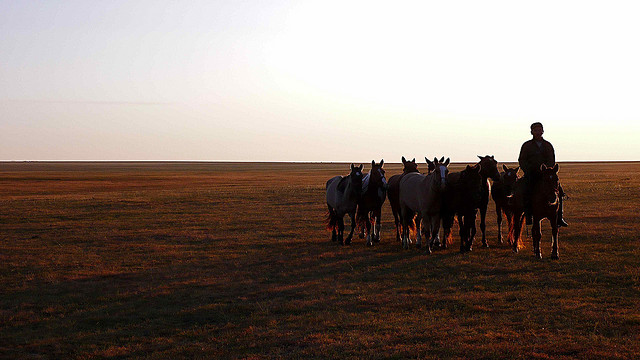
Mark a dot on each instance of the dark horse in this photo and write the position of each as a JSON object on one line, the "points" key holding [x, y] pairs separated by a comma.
{"points": [[544, 205], [502, 193], [462, 198], [374, 192], [393, 192], [343, 193], [488, 169]]}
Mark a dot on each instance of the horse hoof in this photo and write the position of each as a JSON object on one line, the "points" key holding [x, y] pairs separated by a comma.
{"points": [[485, 245], [539, 256], [555, 257], [369, 243]]}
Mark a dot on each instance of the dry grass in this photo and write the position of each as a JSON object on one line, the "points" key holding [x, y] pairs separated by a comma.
{"points": [[195, 260]]}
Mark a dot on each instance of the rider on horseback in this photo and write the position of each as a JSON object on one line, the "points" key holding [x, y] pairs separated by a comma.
{"points": [[533, 154]]}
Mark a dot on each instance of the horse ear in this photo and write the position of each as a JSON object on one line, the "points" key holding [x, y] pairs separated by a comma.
{"points": [[446, 163], [435, 160], [381, 162], [478, 167], [442, 159], [352, 166], [504, 167], [404, 161], [555, 168], [360, 167], [543, 167], [479, 157], [414, 160], [373, 163], [492, 158]]}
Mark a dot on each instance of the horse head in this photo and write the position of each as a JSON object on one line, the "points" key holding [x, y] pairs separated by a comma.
{"points": [[409, 166], [550, 183], [377, 174], [509, 176], [441, 171], [430, 165], [489, 167], [355, 179]]}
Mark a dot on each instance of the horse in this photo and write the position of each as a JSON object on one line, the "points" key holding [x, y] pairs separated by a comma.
{"points": [[488, 169], [393, 191], [374, 192], [502, 193], [544, 205], [462, 198], [342, 197], [421, 195]]}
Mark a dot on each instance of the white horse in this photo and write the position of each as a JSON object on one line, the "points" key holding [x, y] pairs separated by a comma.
{"points": [[421, 195], [343, 193]]}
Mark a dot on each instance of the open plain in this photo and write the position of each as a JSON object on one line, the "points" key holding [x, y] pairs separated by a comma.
{"points": [[232, 260]]}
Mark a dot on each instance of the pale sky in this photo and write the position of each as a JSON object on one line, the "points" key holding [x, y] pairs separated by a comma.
{"points": [[317, 80]]}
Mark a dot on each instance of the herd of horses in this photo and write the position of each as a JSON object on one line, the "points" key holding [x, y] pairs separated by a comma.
{"points": [[421, 202]]}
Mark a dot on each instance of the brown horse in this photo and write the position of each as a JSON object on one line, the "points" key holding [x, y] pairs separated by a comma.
{"points": [[374, 190], [421, 195], [488, 169], [502, 192], [342, 197], [462, 199], [544, 202], [393, 192]]}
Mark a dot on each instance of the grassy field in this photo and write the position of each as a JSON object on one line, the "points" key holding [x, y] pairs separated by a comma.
{"points": [[228, 260]]}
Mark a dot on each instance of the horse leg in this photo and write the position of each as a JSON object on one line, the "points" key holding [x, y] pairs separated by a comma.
{"points": [[536, 234], [517, 229], [368, 229], [470, 221], [376, 230], [554, 238], [419, 229], [483, 215], [499, 221], [341, 229], [396, 221], [404, 217], [352, 215], [447, 223], [435, 230], [332, 223], [461, 232], [426, 228]]}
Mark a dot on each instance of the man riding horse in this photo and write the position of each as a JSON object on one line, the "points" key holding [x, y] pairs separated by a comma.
{"points": [[533, 154]]}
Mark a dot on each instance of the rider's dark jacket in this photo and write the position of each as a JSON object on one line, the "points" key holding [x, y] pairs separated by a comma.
{"points": [[533, 156]]}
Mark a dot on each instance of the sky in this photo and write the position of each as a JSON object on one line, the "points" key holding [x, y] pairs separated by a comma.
{"points": [[317, 80]]}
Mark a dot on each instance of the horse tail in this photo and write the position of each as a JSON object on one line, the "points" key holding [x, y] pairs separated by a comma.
{"points": [[512, 230], [447, 224], [412, 227], [331, 221]]}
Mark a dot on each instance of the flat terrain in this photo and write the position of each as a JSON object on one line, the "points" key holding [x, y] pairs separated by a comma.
{"points": [[231, 260]]}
